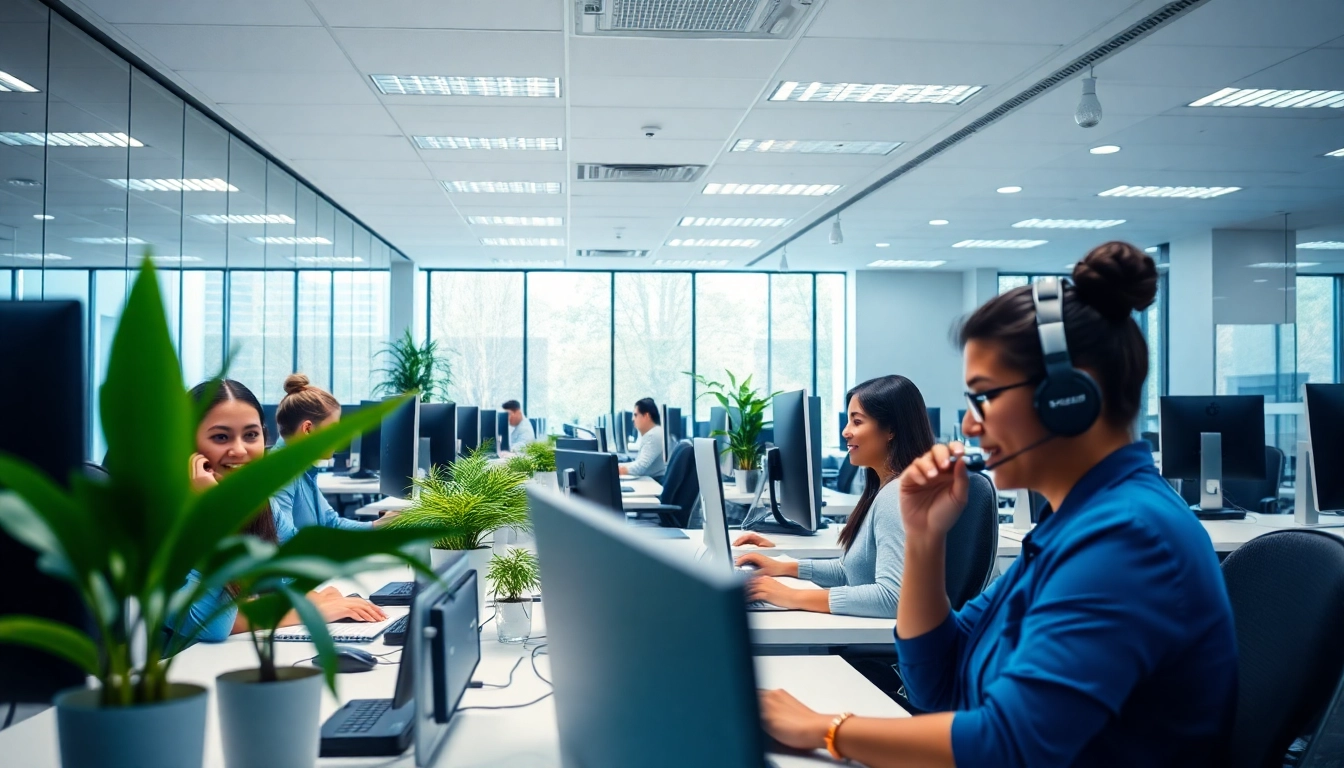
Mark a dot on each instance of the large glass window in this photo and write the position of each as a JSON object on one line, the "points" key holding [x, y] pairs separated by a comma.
{"points": [[261, 329], [731, 330], [653, 339], [832, 354], [477, 320], [1317, 334], [569, 343], [313, 326], [202, 324], [359, 332], [791, 333]]}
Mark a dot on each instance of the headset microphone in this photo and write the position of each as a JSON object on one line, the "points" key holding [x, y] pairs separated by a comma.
{"points": [[976, 462]]}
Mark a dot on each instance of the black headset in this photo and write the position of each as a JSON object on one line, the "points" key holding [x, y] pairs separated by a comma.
{"points": [[1068, 401]]}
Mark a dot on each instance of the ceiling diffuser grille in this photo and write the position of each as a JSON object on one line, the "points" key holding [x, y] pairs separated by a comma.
{"points": [[598, 253], [770, 19], [639, 173]]}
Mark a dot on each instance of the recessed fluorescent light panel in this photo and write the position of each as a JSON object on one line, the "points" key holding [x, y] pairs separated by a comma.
{"points": [[1008, 190], [883, 245], [704, 242], [1268, 97], [1336, 153], [905, 264], [937, 222], [43, 216], [469, 142], [173, 185], [505, 187], [243, 218], [174, 259], [1323, 245], [12, 84], [1068, 223], [880, 93], [816, 147], [999, 243], [1199, 193], [518, 221], [36, 256], [1105, 149], [16, 139], [529, 262], [325, 259], [1284, 264], [522, 241], [806, 190], [109, 240], [717, 221], [691, 262], [290, 240], [439, 85]]}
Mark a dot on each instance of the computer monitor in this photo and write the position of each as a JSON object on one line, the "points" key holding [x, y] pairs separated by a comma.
{"points": [[935, 421], [438, 422], [718, 422], [673, 424], [667, 430], [625, 427], [503, 431], [469, 427], [443, 644], [577, 444], [1213, 438], [49, 432], [590, 475], [682, 641], [796, 425], [490, 429], [342, 460], [538, 426], [844, 422], [400, 450], [1321, 488], [272, 427], [717, 547], [370, 447]]}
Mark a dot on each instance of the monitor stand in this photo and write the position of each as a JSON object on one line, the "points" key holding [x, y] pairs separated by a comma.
{"points": [[780, 524], [1210, 505], [1305, 512]]}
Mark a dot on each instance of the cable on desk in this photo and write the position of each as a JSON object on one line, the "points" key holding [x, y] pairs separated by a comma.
{"points": [[543, 697], [480, 684]]}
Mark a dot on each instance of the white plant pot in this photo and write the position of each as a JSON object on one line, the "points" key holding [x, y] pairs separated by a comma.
{"points": [[514, 621], [545, 480], [479, 559], [270, 724], [170, 734], [747, 480]]}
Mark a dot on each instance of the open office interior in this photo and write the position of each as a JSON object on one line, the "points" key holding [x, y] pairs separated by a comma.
{"points": [[598, 226]]}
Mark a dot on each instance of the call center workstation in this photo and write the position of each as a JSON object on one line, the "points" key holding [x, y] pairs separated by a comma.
{"points": [[589, 383]]}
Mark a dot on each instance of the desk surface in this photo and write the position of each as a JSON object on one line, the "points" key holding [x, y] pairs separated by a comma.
{"points": [[328, 482], [647, 490], [515, 737]]}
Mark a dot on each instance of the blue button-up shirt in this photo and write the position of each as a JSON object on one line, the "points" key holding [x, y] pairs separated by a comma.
{"points": [[301, 504], [1109, 642]]}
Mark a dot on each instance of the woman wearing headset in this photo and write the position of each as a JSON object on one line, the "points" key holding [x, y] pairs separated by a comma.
{"points": [[1110, 640]]}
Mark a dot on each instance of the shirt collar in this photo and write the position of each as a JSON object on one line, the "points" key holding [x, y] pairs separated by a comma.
{"points": [[1120, 464]]}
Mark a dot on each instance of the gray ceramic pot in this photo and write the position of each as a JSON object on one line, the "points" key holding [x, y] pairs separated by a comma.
{"points": [[263, 725], [170, 734]]}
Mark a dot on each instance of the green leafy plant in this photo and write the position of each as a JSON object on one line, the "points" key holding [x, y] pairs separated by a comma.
{"points": [[514, 574], [415, 368], [127, 543], [746, 417], [466, 502], [541, 454], [521, 464]]}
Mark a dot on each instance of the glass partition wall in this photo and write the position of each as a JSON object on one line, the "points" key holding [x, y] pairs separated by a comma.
{"points": [[101, 165]]}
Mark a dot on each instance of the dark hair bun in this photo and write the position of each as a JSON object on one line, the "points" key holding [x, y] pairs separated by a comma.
{"points": [[1116, 279], [295, 383]]}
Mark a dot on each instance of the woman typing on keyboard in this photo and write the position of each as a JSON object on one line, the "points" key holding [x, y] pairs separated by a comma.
{"points": [[888, 428], [1109, 641], [230, 435]]}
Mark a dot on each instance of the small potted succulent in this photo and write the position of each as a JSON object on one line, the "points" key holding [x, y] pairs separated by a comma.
{"points": [[746, 419], [514, 575]]}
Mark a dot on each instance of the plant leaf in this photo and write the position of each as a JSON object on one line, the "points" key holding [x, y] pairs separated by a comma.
{"points": [[317, 627], [53, 637]]}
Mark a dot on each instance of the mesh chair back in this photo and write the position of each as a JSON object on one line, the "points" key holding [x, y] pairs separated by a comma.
{"points": [[844, 482]]}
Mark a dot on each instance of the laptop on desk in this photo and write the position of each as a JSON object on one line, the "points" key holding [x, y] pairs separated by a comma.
{"points": [[717, 549]]}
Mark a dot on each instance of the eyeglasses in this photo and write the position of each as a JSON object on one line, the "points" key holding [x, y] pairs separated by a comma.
{"points": [[976, 400]]}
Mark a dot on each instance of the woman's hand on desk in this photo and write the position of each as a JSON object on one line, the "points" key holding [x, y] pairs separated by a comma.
{"points": [[753, 539], [768, 566], [771, 591], [335, 606], [790, 721]]}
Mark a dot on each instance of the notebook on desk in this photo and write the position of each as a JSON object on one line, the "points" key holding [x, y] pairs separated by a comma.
{"points": [[341, 632]]}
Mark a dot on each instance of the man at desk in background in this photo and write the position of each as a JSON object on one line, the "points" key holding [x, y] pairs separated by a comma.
{"points": [[520, 428], [649, 462]]}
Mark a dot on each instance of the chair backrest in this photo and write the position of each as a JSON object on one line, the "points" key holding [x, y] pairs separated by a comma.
{"points": [[844, 482], [681, 486], [973, 542], [1287, 593], [1247, 494]]}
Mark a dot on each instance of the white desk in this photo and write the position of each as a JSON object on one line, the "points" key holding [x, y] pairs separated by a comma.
{"points": [[647, 490], [526, 737], [329, 483]]}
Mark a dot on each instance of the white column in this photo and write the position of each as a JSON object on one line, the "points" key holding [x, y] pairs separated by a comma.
{"points": [[1190, 315], [977, 287], [402, 304]]}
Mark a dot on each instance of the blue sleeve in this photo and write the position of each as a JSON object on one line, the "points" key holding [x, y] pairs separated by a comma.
{"points": [[208, 620], [328, 517], [1100, 623], [282, 510], [929, 662], [825, 572]]}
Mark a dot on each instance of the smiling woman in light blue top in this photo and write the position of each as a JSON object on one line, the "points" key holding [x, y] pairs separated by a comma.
{"points": [[888, 428], [304, 409]]}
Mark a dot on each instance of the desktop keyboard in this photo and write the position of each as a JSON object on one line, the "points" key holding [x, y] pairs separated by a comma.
{"points": [[395, 634], [761, 605], [364, 715]]}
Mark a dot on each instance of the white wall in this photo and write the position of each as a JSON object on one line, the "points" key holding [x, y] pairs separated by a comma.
{"points": [[1191, 329], [902, 326], [401, 306]]}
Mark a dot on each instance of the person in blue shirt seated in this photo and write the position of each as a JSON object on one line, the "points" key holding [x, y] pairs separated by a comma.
{"points": [[650, 461], [1109, 641], [888, 428], [230, 435], [303, 409], [520, 427]]}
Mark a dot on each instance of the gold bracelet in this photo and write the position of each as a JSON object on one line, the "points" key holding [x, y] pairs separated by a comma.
{"points": [[833, 731]]}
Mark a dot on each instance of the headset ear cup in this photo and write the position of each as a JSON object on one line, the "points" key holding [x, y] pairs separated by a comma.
{"points": [[1068, 404]]}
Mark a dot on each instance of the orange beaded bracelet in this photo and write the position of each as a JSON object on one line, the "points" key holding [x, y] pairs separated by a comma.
{"points": [[831, 734]]}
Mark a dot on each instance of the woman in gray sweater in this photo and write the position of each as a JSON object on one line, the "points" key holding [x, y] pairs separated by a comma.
{"points": [[888, 428]]}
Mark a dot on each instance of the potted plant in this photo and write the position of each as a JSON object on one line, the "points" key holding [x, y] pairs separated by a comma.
{"points": [[746, 418], [415, 368], [465, 504], [514, 575], [127, 544], [540, 455]]}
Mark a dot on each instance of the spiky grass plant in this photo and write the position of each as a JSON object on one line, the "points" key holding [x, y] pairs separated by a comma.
{"points": [[513, 574], [541, 454], [470, 499]]}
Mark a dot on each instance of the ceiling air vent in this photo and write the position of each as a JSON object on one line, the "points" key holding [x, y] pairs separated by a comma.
{"points": [[731, 19], [598, 253], [645, 173]]}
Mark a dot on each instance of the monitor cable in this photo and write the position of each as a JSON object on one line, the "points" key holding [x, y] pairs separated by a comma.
{"points": [[536, 672]]}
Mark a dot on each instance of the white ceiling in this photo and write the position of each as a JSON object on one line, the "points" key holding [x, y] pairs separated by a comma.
{"points": [[294, 76]]}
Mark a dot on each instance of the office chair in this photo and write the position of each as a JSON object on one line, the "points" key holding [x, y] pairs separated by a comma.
{"points": [[1251, 495], [681, 489], [1287, 593], [973, 543], [844, 481]]}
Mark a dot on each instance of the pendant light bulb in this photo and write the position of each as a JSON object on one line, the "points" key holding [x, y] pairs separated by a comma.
{"points": [[784, 261], [837, 236], [1089, 107]]}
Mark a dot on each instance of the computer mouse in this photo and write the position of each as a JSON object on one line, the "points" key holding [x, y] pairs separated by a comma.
{"points": [[352, 659]]}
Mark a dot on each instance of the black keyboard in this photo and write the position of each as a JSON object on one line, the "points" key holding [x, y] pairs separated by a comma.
{"points": [[364, 715], [404, 588], [395, 634], [394, 593]]}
